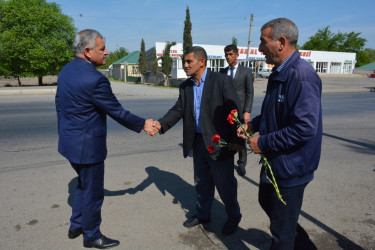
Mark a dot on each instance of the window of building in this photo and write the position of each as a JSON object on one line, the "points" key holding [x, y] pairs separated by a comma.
{"points": [[347, 68], [321, 67], [215, 64], [335, 68], [135, 70]]}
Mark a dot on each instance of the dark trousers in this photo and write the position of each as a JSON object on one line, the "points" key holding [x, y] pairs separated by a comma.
{"points": [[88, 200], [286, 232], [242, 158], [209, 173]]}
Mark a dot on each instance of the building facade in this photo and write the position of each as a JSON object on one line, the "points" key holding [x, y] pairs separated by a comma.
{"points": [[127, 67], [325, 62]]}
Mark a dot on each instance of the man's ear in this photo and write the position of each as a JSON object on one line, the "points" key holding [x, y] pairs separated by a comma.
{"points": [[282, 42], [87, 52], [202, 61]]}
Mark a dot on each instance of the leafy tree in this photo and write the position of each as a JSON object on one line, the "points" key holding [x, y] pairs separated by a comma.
{"points": [[362, 59], [188, 40], [142, 62], [36, 38], [234, 41], [154, 64], [166, 60], [325, 40], [370, 53]]}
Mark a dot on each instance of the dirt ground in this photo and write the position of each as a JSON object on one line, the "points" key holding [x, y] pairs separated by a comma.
{"points": [[27, 81]]}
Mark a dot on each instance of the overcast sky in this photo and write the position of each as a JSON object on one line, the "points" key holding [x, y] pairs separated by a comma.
{"points": [[124, 23]]}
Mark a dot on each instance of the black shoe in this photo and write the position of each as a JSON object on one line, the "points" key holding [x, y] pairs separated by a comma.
{"points": [[193, 221], [73, 235], [241, 171], [101, 243], [230, 226]]}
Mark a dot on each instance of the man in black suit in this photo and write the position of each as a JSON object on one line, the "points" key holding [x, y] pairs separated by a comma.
{"points": [[243, 83], [205, 101]]}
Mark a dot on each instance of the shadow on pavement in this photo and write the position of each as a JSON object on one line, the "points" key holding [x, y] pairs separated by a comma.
{"points": [[341, 240]]}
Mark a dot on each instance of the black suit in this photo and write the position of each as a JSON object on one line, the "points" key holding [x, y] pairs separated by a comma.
{"points": [[243, 83], [218, 99]]}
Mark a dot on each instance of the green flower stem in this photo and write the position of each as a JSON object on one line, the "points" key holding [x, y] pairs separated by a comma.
{"points": [[273, 181], [265, 162]]}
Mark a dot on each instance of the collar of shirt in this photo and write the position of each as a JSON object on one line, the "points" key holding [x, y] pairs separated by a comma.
{"points": [[283, 64], [198, 91]]}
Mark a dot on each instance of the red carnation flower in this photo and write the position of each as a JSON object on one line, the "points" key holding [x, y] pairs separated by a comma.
{"points": [[234, 112], [216, 139], [230, 118], [210, 149]]}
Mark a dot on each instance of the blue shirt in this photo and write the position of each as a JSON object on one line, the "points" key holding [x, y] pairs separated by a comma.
{"points": [[198, 90]]}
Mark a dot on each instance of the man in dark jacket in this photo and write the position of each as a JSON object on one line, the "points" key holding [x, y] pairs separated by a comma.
{"points": [[243, 83], [205, 101], [290, 132]]}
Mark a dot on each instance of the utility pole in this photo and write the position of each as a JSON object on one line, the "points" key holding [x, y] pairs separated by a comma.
{"points": [[248, 41]]}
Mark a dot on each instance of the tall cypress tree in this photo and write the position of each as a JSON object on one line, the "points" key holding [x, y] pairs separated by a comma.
{"points": [[142, 62], [166, 60], [188, 40], [234, 41], [154, 64]]}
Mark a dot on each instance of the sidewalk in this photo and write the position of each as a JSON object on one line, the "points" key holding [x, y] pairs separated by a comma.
{"points": [[331, 84]]}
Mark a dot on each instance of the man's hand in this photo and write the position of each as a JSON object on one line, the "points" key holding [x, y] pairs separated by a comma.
{"points": [[253, 143], [248, 127], [246, 117], [149, 128], [157, 125]]}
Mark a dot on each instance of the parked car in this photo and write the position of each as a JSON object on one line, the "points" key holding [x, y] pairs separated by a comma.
{"points": [[264, 73]]}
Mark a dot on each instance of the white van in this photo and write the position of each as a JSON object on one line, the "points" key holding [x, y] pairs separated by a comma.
{"points": [[264, 73]]}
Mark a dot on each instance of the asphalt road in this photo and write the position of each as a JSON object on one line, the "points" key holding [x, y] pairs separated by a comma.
{"points": [[149, 185]]}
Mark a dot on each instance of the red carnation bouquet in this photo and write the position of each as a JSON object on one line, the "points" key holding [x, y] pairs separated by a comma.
{"points": [[216, 139], [233, 118]]}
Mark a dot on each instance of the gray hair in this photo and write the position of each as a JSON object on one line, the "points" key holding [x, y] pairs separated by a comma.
{"points": [[198, 53], [282, 27], [85, 38]]}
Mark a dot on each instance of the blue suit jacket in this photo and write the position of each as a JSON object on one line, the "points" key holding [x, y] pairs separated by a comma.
{"points": [[83, 100]]}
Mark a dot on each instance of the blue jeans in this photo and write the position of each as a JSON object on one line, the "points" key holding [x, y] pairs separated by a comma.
{"points": [[88, 200], [287, 234]]}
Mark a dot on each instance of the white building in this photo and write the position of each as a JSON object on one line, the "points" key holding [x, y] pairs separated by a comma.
{"points": [[326, 62]]}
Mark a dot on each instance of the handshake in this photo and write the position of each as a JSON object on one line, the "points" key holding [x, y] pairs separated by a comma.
{"points": [[152, 127]]}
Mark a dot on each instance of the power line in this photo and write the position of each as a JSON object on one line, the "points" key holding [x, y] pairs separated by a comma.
{"points": [[160, 19]]}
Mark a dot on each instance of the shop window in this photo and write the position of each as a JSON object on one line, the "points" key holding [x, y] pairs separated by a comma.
{"points": [[335, 68], [321, 67], [347, 68], [215, 65]]}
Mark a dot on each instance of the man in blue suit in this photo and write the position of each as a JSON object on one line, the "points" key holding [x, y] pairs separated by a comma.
{"points": [[84, 98]]}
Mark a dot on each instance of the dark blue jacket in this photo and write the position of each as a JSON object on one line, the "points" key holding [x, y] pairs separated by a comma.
{"points": [[290, 123], [83, 100]]}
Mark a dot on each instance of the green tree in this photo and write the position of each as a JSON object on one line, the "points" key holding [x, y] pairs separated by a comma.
{"points": [[166, 60], [325, 40], [36, 38], [362, 59], [142, 62], [234, 41], [154, 64], [188, 40], [370, 53]]}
